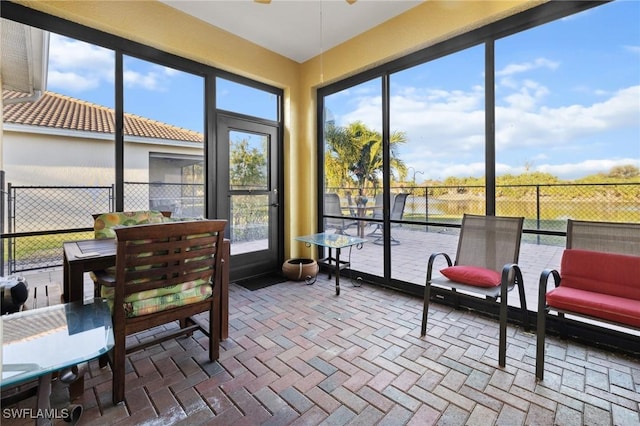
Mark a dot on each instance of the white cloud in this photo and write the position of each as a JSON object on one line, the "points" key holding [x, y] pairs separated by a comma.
{"points": [[150, 81], [71, 81], [445, 129], [587, 167], [550, 126], [76, 66], [633, 49], [512, 69]]}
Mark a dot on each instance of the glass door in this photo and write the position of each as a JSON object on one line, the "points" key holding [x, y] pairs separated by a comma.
{"points": [[252, 187]]}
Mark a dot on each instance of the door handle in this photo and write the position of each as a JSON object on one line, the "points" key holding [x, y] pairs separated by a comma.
{"points": [[275, 204]]}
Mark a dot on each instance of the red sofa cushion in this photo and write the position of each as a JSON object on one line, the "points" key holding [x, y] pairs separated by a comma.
{"points": [[472, 275], [612, 308], [606, 273]]}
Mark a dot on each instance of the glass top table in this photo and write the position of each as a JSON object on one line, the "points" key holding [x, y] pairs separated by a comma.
{"points": [[37, 343], [332, 241]]}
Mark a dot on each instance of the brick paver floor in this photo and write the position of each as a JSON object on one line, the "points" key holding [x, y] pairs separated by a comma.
{"points": [[301, 355]]}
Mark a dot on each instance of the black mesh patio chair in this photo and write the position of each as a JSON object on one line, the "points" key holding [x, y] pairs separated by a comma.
{"points": [[485, 265]]}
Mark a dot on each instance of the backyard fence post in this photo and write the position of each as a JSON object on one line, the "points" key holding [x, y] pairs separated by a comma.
{"points": [[538, 212]]}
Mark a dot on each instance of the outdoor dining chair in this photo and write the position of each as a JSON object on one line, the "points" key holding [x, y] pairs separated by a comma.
{"points": [[164, 273], [485, 265], [397, 212], [332, 207]]}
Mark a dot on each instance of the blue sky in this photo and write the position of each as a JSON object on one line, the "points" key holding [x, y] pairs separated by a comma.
{"points": [[567, 97]]}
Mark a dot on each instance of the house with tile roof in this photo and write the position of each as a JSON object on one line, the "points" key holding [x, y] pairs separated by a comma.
{"points": [[57, 138]]}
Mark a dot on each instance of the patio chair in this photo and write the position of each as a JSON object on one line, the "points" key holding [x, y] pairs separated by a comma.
{"points": [[378, 214], [332, 207], [598, 279], [397, 212], [486, 265], [164, 273], [105, 223]]}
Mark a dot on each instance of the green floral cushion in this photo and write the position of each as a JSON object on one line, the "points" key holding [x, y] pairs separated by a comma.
{"points": [[148, 302], [105, 223]]}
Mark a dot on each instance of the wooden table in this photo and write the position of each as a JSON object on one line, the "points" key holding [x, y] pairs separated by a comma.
{"points": [[93, 255]]}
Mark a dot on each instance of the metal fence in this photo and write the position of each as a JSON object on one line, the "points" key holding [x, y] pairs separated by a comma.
{"points": [[39, 219], [181, 199], [545, 207]]}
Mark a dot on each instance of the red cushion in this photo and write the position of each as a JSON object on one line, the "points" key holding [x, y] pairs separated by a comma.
{"points": [[612, 308], [609, 273], [472, 275]]}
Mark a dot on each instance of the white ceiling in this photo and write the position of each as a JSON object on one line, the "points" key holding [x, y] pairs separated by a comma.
{"points": [[297, 29]]}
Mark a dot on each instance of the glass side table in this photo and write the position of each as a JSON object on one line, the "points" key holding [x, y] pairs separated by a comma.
{"points": [[40, 342], [332, 241]]}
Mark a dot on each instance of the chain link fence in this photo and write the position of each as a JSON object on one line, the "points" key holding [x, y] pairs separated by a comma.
{"points": [[181, 199], [39, 219]]}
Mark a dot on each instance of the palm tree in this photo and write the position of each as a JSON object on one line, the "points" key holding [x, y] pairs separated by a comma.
{"points": [[353, 156]]}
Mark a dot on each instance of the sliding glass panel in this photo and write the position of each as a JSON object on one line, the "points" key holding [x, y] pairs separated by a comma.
{"points": [[164, 139], [568, 120], [437, 156]]}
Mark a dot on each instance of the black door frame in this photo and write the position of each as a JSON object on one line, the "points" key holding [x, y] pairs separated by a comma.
{"points": [[262, 262]]}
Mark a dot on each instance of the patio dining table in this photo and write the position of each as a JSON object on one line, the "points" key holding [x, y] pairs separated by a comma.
{"points": [[97, 254]]}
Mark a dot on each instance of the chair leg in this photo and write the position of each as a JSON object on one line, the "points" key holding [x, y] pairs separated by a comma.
{"points": [[214, 331], [540, 331], [375, 231], [118, 367], [425, 309], [563, 326], [502, 345], [523, 300]]}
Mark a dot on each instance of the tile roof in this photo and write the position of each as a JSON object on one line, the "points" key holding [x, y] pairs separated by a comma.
{"points": [[63, 112]]}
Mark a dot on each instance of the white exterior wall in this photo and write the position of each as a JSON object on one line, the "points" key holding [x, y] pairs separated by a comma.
{"points": [[32, 158]]}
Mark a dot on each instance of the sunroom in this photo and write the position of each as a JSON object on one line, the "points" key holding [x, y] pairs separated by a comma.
{"points": [[441, 89]]}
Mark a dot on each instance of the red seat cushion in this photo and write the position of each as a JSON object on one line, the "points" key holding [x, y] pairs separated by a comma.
{"points": [[605, 306], [608, 273], [472, 275]]}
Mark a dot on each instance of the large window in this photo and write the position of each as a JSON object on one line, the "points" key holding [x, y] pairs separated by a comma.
{"points": [[437, 143], [164, 115], [568, 118], [540, 119]]}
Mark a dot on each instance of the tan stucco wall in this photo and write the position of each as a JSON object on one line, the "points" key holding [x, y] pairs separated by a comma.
{"points": [[155, 24]]}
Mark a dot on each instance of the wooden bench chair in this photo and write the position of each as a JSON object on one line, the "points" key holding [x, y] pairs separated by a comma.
{"points": [[164, 273]]}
